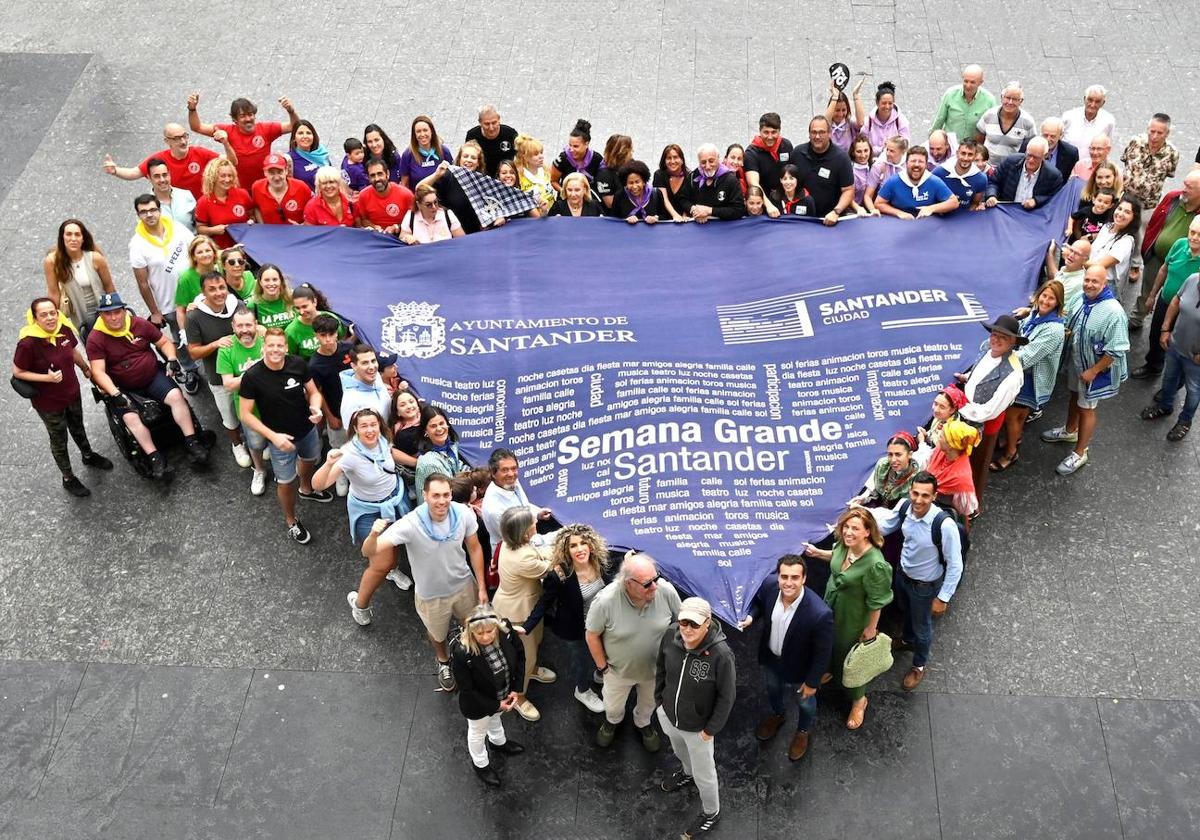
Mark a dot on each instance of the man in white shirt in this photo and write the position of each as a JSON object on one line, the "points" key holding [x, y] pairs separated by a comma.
{"points": [[505, 492], [158, 255], [179, 205], [1082, 124], [794, 649]]}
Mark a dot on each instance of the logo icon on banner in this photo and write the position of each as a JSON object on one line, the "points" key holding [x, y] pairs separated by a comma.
{"points": [[772, 319], [413, 330]]}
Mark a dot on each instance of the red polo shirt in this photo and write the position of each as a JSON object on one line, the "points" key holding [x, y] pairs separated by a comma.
{"points": [[236, 209], [388, 209], [187, 174], [273, 212], [252, 149], [317, 213]]}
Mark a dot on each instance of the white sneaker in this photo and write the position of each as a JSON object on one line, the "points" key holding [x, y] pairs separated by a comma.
{"points": [[342, 486], [401, 580], [361, 616], [1060, 434], [591, 700], [258, 482], [241, 455], [1071, 463]]}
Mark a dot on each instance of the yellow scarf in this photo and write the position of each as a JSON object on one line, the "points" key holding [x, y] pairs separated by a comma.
{"points": [[125, 331], [33, 329], [165, 242], [961, 436]]}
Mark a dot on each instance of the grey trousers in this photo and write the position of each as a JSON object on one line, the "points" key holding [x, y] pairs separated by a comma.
{"points": [[696, 756]]}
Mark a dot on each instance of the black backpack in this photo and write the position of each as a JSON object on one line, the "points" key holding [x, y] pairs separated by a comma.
{"points": [[964, 537]]}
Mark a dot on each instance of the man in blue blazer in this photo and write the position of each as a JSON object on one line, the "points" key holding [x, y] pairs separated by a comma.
{"points": [[1059, 153], [1025, 178], [794, 649]]}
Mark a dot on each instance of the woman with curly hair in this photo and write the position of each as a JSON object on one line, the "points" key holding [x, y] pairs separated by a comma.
{"points": [[579, 572]]}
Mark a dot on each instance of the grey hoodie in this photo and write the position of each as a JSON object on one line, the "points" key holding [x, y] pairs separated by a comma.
{"points": [[695, 687]]}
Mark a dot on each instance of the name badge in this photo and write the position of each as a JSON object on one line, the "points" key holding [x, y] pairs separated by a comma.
{"points": [[823, 172], [783, 156]]}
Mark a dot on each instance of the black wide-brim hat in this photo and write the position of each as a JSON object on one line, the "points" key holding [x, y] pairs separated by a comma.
{"points": [[1007, 325]]}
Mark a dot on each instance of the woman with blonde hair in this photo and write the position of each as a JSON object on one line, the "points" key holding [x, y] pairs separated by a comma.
{"points": [[576, 198], [1105, 176], [488, 663], [531, 167], [859, 587], [330, 205], [522, 566], [76, 269], [579, 572], [223, 203]]}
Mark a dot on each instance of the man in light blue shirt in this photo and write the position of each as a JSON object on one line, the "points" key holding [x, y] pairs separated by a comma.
{"points": [[362, 386], [925, 582]]}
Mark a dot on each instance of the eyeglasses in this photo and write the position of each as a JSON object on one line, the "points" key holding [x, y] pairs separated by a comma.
{"points": [[149, 211], [176, 138], [688, 623], [433, 203], [647, 584], [235, 261]]}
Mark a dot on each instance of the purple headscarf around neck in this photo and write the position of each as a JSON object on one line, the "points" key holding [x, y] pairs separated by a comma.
{"points": [[639, 209], [702, 181], [579, 167]]}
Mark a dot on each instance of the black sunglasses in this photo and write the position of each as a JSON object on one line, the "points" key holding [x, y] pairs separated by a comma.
{"points": [[649, 583]]}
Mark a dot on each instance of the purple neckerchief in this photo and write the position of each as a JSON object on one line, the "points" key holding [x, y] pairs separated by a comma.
{"points": [[579, 167], [640, 209], [701, 181]]}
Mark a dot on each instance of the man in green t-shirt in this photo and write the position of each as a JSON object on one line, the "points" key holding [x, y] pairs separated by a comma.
{"points": [[232, 362], [1182, 261]]}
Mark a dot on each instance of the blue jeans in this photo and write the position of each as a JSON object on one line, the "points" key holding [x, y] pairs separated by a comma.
{"points": [[916, 600], [1180, 370], [778, 692], [582, 665]]}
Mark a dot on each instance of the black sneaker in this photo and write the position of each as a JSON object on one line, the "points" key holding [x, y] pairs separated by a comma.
{"points": [[158, 466], [75, 487], [676, 780], [196, 451], [299, 533], [489, 776], [322, 496], [702, 824], [95, 459], [191, 382], [509, 747]]}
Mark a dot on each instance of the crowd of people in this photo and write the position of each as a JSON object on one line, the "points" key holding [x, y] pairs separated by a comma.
{"points": [[299, 393]]}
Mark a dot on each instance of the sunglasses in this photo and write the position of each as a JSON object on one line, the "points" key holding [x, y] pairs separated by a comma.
{"points": [[688, 623], [235, 261], [429, 203], [649, 583]]}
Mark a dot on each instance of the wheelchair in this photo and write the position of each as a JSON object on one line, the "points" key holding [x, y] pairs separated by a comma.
{"points": [[156, 417]]}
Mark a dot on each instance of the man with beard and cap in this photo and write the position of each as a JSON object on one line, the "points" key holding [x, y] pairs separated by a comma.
{"points": [[717, 190], [963, 177], [915, 193]]}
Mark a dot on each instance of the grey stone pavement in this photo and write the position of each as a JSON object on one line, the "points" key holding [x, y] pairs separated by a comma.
{"points": [[172, 667]]}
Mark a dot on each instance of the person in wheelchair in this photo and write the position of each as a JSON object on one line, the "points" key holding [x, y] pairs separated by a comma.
{"points": [[128, 372]]}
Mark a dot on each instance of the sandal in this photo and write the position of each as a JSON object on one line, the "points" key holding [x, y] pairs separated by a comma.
{"points": [[1000, 464], [857, 713], [1153, 412], [1179, 432]]}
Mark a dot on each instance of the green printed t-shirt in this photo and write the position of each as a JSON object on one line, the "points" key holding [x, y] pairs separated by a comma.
{"points": [[235, 359], [273, 313], [302, 341]]}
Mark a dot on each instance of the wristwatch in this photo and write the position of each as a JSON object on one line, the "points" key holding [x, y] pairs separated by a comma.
{"points": [[604, 670]]}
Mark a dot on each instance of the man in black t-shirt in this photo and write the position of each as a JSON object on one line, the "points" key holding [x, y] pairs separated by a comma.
{"points": [[289, 407], [826, 171], [498, 141], [765, 158]]}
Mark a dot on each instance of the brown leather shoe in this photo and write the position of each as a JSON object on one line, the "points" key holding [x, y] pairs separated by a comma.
{"points": [[912, 679], [798, 747], [768, 727]]}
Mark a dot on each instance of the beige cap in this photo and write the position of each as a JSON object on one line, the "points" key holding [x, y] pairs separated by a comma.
{"points": [[696, 610]]}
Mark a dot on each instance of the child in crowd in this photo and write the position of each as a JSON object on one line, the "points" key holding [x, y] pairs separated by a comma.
{"points": [[354, 171], [1093, 215]]}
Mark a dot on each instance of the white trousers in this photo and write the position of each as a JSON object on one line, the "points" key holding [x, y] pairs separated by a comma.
{"points": [[616, 692], [479, 732]]}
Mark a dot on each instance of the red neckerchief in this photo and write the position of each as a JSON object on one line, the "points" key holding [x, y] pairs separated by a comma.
{"points": [[773, 151]]}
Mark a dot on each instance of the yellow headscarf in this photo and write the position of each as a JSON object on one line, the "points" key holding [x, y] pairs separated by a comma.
{"points": [[125, 331], [33, 329], [960, 435]]}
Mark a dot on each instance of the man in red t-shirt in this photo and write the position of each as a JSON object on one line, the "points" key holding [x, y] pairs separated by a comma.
{"points": [[120, 348], [278, 199], [184, 161], [250, 138], [383, 206]]}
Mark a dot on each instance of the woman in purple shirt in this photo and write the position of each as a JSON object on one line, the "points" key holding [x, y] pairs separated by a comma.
{"points": [[842, 129], [425, 151], [885, 121]]}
